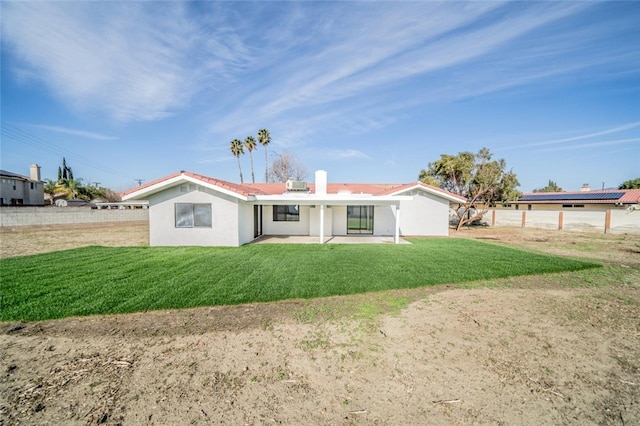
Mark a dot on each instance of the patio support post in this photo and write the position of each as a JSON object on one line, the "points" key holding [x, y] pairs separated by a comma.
{"points": [[322, 224], [397, 236]]}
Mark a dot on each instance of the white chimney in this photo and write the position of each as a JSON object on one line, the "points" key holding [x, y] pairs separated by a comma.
{"points": [[34, 172], [321, 182]]}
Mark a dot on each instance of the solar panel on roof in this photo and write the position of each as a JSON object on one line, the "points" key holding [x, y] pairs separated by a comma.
{"points": [[572, 197]]}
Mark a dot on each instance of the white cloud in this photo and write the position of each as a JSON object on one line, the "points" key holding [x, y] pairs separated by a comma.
{"points": [[590, 145], [133, 60], [80, 133], [579, 137]]}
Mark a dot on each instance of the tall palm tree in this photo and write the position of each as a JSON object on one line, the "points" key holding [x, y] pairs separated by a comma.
{"points": [[237, 151], [264, 138], [250, 144]]}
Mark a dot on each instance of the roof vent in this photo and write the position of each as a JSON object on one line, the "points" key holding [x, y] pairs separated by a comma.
{"points": [[295, 185]]}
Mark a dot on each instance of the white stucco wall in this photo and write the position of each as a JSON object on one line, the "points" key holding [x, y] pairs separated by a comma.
{"points": [[270, 227], [384, 220], [314, 224], [426, 214], [339, 220], [245, 225], [224, 210]]}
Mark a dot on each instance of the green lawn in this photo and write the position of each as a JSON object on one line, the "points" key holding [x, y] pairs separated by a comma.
{"points": [[102, 280]]}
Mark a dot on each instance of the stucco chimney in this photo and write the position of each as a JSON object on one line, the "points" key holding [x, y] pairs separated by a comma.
{"points": [[321, 182], [34, 172], [585, 188]]}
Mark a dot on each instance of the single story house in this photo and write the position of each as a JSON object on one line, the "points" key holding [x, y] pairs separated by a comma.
{"points": [[190, 209], [19, 190], [585, 199]]}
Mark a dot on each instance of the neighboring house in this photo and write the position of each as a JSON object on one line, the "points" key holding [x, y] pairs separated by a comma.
{"points": [[190, 209], [585, 199], [19, 190]]}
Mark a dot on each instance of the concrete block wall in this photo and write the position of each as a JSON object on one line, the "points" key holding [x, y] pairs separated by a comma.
{"points": [[38, 216], [621, 221]]}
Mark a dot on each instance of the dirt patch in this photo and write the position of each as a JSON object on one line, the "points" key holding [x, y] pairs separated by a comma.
{"points": [[26, 240], [529, 350]]}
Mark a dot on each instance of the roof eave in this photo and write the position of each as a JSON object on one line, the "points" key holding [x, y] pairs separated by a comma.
{"points": [[145, 192], [438, 193]]}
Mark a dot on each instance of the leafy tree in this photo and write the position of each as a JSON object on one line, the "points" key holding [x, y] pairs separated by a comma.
{"points": [[265, 138], [551, 187], [476, 177], [250, 144], [287, 166], [237, 151], [59, 173], [630, 184]]}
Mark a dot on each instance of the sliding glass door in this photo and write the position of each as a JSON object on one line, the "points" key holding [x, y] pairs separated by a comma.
{"points": [[359, 219]]}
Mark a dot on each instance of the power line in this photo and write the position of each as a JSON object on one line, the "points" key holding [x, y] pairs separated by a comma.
{"points": [[18, 135]]}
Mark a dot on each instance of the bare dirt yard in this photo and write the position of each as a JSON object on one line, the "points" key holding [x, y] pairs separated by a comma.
{"points": [[549, 349]]}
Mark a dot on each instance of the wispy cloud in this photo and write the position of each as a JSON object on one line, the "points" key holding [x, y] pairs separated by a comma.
{"points": [[590, 145], [590, 135], [133, 60], [420, 53], [303, 69], [74, 132], [343, 154], [213, 160]]}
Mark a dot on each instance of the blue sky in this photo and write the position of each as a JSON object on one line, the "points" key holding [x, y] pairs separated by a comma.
{"points": [[369, 91]]}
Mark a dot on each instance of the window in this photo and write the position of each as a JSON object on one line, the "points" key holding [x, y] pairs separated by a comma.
{"points": [[289, 213], [193, 215], [32, 185]]}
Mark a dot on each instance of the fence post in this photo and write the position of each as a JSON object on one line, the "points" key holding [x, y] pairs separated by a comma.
{"points": [[560, 220], [524, 218], [493, 218], [607, 221]]}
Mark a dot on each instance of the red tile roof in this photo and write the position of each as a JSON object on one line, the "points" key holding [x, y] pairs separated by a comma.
{"points": [[631, 196], [248, 189]]}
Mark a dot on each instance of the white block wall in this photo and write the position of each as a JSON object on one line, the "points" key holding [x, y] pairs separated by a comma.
{"points": [[41, 216], [622, 221]]}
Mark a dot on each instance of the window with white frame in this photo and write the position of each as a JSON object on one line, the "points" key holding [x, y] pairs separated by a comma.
{"points": [[287, 213], [193, 215]]}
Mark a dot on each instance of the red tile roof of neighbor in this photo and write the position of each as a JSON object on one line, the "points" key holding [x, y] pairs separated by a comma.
{"points": [[248, 189], [631, 196]]}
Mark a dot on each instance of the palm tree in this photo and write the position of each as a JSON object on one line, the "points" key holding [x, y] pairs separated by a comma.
{"points": [[73, 187], [51, 188], [250, 144], [264, 138], [237, 151]]}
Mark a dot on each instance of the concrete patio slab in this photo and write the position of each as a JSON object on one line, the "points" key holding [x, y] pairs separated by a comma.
{"points": [[342, 239]]}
